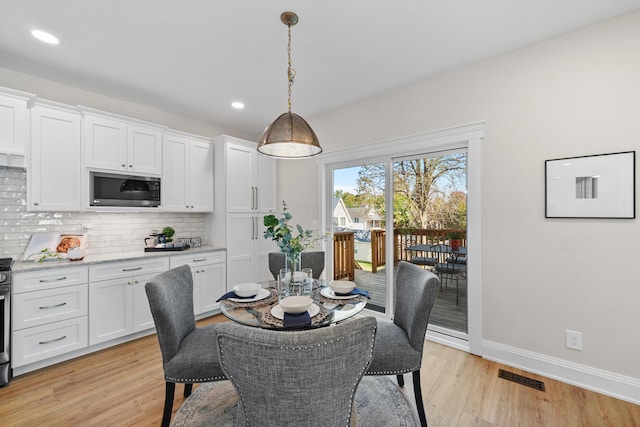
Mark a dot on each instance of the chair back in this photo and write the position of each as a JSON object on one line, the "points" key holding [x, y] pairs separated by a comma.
{"points": [[416, 290], [170, 297], [301, 378], [312, 259]]}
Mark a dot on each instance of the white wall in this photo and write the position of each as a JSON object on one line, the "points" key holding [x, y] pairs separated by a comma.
{"points": [[575, 95]]}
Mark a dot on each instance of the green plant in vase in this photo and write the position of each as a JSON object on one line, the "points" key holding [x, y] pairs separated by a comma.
{"points": [[280, 231]]}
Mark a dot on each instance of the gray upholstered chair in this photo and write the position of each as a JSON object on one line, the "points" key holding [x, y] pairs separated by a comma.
{"points": [[301, 378], [399, 343], [312, 259], [188, 353]]}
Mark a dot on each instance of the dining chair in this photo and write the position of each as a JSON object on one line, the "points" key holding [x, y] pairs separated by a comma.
{"points": [[302, 378], [188, 352], [311, 259], [399, 343], [450, 267]]}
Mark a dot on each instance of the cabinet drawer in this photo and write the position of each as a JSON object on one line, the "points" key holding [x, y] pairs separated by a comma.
{"points": [[115, 270], [51, 305], [49, 279], [200, 258], [41, 342]]}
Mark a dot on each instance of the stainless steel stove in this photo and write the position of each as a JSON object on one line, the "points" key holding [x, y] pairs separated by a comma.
{"points": [[5, 320]]}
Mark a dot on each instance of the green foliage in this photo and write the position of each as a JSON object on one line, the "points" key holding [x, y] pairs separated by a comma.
{"points": [[279, 230], [168, 233]]}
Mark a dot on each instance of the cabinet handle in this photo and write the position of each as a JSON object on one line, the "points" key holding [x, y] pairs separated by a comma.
{"points": [[53, 340], [256, 202], [52, 306], [130, 166], [35, 203], [124, 166], [256, 218], [136, 282], [132, 269], [53, 280], [198, 260]]}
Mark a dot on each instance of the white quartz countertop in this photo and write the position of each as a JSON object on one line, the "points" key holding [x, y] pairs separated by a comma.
{"points": [[22, 266]]}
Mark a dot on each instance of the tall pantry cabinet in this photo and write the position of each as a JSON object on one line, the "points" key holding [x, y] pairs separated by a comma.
{"points": [[245, 191]]}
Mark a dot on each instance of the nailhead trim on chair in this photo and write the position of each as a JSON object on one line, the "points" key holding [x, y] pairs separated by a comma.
{"points": [[403, 371], [195, 380]]}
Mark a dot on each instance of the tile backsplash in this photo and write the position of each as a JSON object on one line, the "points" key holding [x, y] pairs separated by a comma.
{"points": [[107, 232]]}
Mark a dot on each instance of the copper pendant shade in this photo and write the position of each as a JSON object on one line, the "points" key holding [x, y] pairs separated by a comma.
{"points": [[289, 136]]}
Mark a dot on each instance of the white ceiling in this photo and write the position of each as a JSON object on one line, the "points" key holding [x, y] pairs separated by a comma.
{"points": [[194, 57]]}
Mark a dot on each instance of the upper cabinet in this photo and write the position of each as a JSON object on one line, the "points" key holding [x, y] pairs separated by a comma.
{"points": [[117, 144], [187, 173], [54, 171], [13, 126], [246, 181]]}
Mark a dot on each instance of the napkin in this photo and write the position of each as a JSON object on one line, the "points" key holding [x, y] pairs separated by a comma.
{"points": [[301, 320], [232, 294], [356, 291]]}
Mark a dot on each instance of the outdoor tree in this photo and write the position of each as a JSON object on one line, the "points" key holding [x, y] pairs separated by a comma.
{"points": [[428, 192]]}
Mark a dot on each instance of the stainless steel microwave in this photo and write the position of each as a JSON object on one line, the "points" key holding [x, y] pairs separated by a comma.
{"points": [[108, 189]]}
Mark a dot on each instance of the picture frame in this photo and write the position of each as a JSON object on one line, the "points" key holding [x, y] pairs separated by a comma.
{"points": [[56, 245], [594, 186]]}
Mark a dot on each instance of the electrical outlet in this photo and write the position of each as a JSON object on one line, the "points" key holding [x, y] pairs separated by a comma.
{"points": [[574, 340]]}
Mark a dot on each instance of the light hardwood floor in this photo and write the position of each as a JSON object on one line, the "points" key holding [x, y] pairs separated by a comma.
{"points": [[124, 386]]}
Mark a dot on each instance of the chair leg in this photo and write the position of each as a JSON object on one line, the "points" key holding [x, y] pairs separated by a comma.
{"points": [[400, 380], [168, 403], [417, 391], [187, 390]]}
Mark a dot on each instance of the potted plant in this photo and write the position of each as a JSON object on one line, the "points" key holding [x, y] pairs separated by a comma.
{"points": [[279, 230], [455, 236]]}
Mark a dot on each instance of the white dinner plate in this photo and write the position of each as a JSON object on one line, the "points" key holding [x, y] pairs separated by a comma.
{"points": [[328, 292], [262, 294], [278, 313]]}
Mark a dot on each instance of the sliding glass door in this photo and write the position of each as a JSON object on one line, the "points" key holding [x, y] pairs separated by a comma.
{"points": [[430, 229], [359, 229]]}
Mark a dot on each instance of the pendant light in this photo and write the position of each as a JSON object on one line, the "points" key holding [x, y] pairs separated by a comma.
{"points": [[289, 136]]}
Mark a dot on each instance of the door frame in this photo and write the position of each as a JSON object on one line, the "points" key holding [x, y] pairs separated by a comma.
{"points": [[467, 137]]}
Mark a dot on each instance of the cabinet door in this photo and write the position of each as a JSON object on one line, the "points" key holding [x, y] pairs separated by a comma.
{"points": [[54, 175], [242, 233], [110, 310], [142, 318], [174, 174], [240, 181], [13, 125], [200, 173], [144, 150], [267, 199], [105, 143], [209, 285]]}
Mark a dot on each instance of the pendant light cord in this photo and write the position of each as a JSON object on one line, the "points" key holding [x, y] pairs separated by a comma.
{"points": [[291, 73]]}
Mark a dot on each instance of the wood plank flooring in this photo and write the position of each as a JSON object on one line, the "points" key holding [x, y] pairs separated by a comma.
{"points": [[124, 386]]}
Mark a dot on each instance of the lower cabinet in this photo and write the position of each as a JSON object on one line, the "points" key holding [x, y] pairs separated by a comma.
{"points": [[209, 272], [118, 304], [49, 315]]}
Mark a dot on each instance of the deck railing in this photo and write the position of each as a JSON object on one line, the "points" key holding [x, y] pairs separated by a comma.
{"points": [[406, 237], [344, 255], [378, 251], [344, 262]]}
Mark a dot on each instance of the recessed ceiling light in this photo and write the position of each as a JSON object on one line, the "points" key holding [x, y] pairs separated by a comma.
{"points": [[45, 37], [237, 105]]}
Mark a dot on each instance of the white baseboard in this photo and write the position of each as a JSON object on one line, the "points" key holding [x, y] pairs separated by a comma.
{"points": [[600, 381]]}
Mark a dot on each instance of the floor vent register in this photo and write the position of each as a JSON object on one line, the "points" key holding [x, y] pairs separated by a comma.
{"points": [[521, 379]]}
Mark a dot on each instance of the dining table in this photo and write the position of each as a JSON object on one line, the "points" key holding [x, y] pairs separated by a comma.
{"points": [[263, 310]]}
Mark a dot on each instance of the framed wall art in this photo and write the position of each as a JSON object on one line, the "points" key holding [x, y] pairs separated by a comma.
{"points": [[596, 186]]}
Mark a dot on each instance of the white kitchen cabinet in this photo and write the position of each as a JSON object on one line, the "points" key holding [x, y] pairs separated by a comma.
{"points": [[209, 278], [247, 250], [246, 181], [55, 162], [13, 125], [122, 145], [49, 316], [245, 191], [187, 174], [118, 304]]}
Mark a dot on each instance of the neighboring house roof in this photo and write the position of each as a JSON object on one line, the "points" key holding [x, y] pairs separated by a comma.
{"points": [[368, 213]]}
